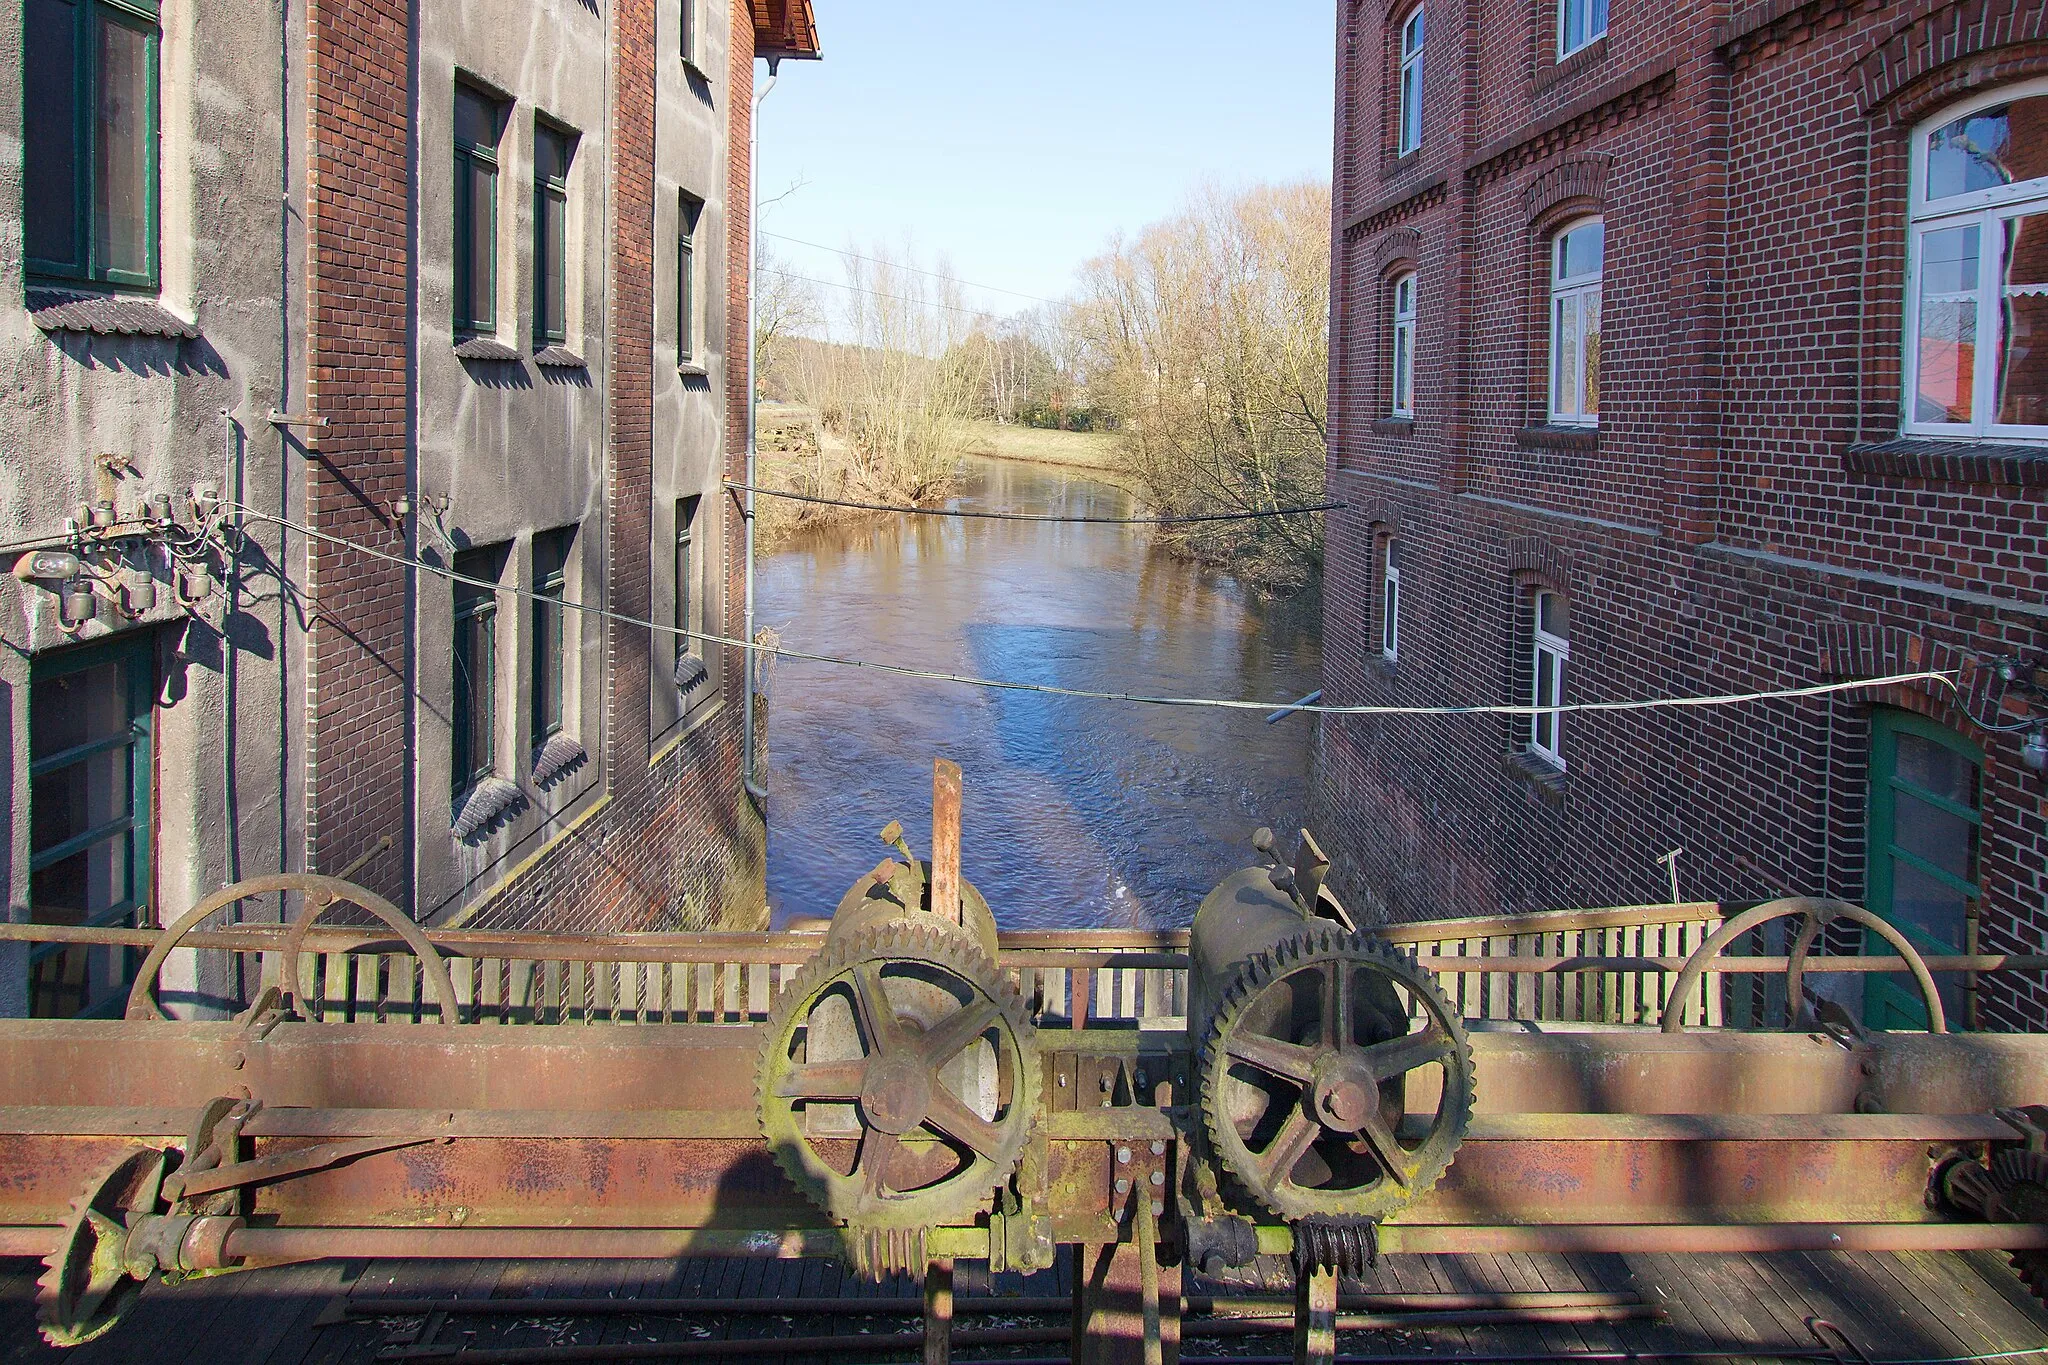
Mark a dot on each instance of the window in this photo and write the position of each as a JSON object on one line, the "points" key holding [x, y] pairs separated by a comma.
{"points": [[1390, 603], [552, 148], [90, 727], [89, 129], [1579, 22], [550, 644], [1976, 358], [478, 122], [686, 18], [1576, 257], [473, 719], [690, 210], [1404, 346], [1550, 636], [686, 576], [1409, 135]]}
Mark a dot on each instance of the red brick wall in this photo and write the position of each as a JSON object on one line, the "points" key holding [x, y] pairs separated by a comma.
{"points": [[1727, 529], [359, 348]]}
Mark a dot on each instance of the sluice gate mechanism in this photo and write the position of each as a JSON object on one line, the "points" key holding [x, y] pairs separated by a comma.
{"points": [[904, 1088]]}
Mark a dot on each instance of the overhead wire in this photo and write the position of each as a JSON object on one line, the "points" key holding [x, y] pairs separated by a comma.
{"points": [[893, 298], [1035, 516], [1134, 698], [911, 269]]}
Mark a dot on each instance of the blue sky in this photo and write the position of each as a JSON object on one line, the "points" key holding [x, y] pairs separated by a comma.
{"points": [[1015, 137]]}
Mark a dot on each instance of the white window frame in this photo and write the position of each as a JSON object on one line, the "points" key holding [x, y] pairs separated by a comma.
{"points": [[1390, 602], [1408, 134], [1565, 379], [1989, 210], [1402, 403], [1548, 655], [1565, 47]]}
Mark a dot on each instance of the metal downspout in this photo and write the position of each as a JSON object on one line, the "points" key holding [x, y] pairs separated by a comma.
{"points": [[748, 779]]}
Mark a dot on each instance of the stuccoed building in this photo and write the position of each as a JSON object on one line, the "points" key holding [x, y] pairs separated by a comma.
{"points": [[1691, 349], [291, 297]]}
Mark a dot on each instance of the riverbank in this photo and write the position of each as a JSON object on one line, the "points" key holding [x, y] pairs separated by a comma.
{"points": [[799, 454]]}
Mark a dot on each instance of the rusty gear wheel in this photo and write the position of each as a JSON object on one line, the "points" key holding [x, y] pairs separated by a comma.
{"points": [[2012, 1188], [86, 1284], [898, 1080], [1304, 1077]]}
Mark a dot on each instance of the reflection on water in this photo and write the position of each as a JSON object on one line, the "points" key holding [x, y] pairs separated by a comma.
{"points": [[1078, 813]]}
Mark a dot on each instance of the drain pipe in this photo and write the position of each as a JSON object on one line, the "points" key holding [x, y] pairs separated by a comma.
{"points": [[748, 778]]}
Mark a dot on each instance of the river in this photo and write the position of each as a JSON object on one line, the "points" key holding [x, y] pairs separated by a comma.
{"points": [[1079, 813]]}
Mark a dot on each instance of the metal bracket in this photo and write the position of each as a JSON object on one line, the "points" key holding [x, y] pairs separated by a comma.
{"points": [[213, 1169]]}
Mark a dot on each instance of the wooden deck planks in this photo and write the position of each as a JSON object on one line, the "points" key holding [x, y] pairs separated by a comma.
{"points": [[1891, 1306]]}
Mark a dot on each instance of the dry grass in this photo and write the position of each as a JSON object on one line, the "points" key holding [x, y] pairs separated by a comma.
{"points": [[1074, 449]]}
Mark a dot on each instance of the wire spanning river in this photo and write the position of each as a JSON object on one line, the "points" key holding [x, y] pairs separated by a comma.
{"points": [[1078, 813]]}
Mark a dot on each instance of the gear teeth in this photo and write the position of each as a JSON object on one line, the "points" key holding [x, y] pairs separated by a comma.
{"points": [[1347, 1246], [1254, 975], [954, 1200], [878, 1254]]}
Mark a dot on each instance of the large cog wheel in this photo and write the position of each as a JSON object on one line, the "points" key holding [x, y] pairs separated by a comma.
{"points": [[86, 1285], [898, 1079], [1304, 1077]]}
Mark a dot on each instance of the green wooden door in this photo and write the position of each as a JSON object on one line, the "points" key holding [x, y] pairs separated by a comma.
{"points": [[1922, 876], [91, 717]]}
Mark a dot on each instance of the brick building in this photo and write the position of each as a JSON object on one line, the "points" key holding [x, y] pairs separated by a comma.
{"points": [[457, 280], [1687, 348]]}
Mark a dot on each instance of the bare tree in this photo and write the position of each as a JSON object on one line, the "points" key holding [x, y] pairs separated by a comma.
{"points": [[898, 389], [786, 307], [1207, 337]]}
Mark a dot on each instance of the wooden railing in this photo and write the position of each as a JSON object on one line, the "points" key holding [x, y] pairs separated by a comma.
{"points": [[1530, 967], [1537, 967]]}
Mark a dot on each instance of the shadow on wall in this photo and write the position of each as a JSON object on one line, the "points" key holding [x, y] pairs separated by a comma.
{"points": [[143, 355]]}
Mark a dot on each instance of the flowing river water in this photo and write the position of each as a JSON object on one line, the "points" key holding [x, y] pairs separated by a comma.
{"points": [[1079, 813]]}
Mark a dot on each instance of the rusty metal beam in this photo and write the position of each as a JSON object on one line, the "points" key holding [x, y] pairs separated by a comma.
{"points": [[1469, 1239], [946, 796]]}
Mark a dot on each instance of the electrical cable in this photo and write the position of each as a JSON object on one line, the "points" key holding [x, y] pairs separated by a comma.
{"points": [[893, 298], [914, 270], [1136, 698], [1035, 516]]}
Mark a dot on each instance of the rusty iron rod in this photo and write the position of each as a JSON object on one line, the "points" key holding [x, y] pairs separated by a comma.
{"points": [[1032, 948], [1467, 1357], [1735, 1239], [1445, 1301], [29, 1241], [1000, 1336]]}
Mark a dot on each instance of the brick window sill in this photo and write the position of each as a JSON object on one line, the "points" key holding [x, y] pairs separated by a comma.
{"points": [[1540, 773], [1552, 72], [1940, 461], [1392, 164], [64, 310], [559, 357], [1394, 426], [485, 807], [484, 348], [693, 371], [1553, 437], [556, 759]]}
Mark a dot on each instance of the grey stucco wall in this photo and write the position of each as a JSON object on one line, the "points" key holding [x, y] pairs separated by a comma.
{"points": [[691, 115], [509, 449], [181, 413]]}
